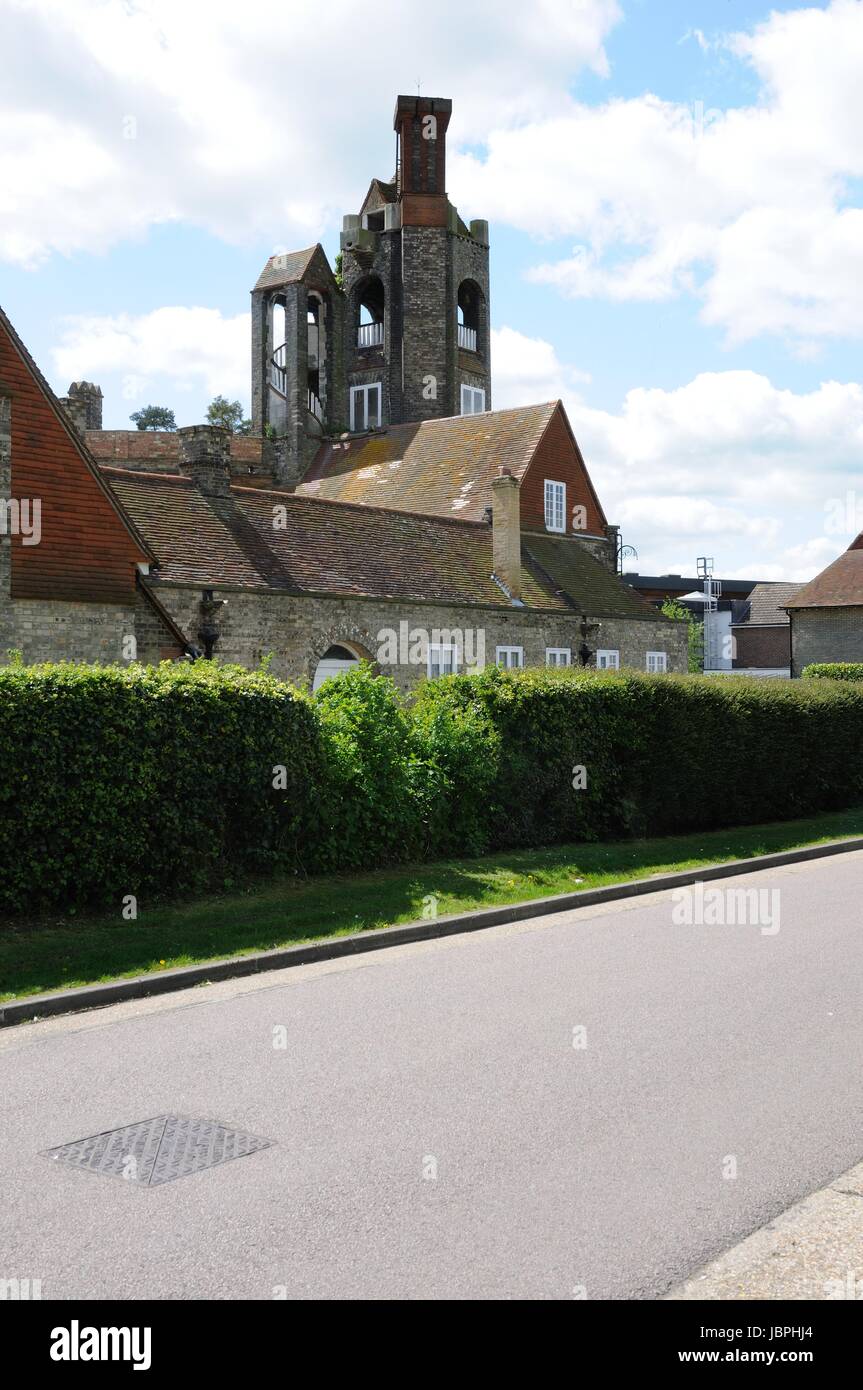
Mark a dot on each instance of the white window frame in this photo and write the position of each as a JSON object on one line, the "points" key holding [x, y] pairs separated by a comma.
{"points": [[470, 395], [657, 663], [608, 659], [503, 657], [553, 655], [438, 652], [366, 391], [555, 506]]}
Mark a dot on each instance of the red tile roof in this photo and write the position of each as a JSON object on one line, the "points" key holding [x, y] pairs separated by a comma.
{"points": [[190, 542], [340, 548], [434, 467], [839, 586]]}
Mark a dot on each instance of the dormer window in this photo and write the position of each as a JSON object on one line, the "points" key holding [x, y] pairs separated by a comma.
{"points": [[555, 506]]}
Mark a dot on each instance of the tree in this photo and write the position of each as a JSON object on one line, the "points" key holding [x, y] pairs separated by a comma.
{"points": [[672, 609], [229, 415], [154, 417]]}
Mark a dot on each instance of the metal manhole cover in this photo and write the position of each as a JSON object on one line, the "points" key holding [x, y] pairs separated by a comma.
{"points": [[158, 1150]]}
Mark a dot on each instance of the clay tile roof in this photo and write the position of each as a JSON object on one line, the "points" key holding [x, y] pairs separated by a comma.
{"points": [[286, 268], [767, 603], [437, 467], [334, 548], [586, 582], [188, 539], [325, 547], [839, 586]]}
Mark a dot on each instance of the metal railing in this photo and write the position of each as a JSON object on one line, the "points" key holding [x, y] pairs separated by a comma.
{"points": [[279, 369], [467, 337], [370, 335]]}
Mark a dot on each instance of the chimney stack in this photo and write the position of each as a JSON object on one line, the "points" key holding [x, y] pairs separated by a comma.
{"points": [[205, 457], [83, 405], [421, 125], [506, 531]]}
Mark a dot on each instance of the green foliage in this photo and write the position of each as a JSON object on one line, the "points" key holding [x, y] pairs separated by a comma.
{"points": [[339, 275], [458, 749], [228, 415], [154, 417], [677, 611], [834, 671], [178, 778], [369, 809], [660, 753], [144, 779]]}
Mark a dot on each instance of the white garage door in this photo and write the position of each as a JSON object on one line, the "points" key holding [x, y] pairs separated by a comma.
{"points": [[333, 662]]}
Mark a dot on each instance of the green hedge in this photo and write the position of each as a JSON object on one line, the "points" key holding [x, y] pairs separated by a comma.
{"points": [[166, 780], [834, 671], [660, 753], [147, 779]]}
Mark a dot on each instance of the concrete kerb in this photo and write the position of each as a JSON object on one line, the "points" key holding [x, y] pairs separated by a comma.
{"points": [[184, 977]]}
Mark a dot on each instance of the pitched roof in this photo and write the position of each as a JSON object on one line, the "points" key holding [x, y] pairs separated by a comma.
{"points": [[380, 193], [288, 267], [767, 604], [434, 467], [839, 586], [330, 547], [61, 416], [324, 548], [189, 541], [588, 585]]}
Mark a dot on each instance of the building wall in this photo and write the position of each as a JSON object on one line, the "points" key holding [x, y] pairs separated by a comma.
{"points": [[557, 460], [158, 451], [85, 552], [58, 629], [762, 646], [297, 630], [825, 634]]}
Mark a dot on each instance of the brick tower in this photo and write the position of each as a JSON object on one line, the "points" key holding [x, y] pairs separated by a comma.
{"points": [[405, 334]]}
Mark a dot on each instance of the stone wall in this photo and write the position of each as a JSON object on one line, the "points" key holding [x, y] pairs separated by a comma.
{"points": [[104, 633], [298, 629], [825, 634]]}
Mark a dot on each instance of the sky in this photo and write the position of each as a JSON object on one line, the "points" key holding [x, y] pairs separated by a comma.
{"points": [[675, 197]]}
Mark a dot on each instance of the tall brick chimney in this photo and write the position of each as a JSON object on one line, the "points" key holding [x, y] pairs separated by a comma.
{"points": [[421, 125], [205, 457], [506, 531]]}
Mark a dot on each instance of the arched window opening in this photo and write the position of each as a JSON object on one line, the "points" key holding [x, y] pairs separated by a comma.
{"points": [[370, 314], [315, 322], [279, 360], [469, 302]]}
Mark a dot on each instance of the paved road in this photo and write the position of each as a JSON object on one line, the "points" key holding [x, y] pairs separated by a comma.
{"points": [[558, 1167]]}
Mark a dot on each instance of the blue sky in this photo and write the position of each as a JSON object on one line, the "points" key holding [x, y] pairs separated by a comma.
{"points": [[673, 188]]}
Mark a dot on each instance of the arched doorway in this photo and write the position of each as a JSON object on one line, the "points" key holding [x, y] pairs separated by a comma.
{"points": [[334, 661]]}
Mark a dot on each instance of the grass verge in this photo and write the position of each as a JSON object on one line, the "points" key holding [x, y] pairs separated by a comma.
{"points": [[55, 954]]}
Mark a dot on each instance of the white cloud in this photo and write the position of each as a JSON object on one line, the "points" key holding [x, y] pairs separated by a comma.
{"points": [[183, 349], [750, 208], [728, 464], [248, 120], [529, 369]]}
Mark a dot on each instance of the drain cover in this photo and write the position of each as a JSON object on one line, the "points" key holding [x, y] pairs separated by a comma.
{"points": [[158, 1150]]}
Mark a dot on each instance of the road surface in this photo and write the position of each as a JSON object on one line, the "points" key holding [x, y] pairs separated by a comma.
{"points": [[546, 1110]]}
